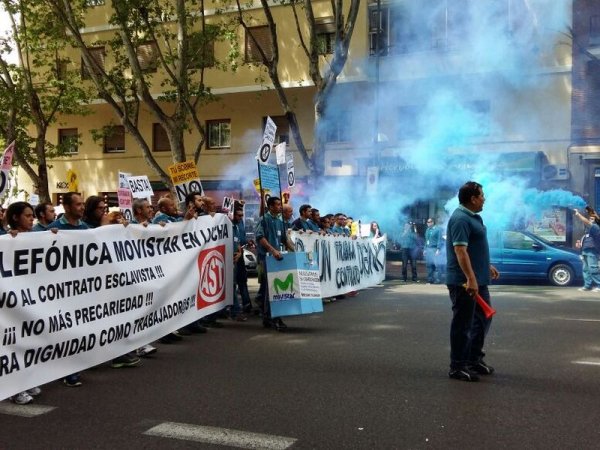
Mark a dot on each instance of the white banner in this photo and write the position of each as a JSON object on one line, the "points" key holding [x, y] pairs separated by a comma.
{"points": [[345, 264], [76, 299], [280, 152]]}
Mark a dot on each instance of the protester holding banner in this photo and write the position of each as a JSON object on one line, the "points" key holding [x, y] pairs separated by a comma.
{"points": [[240, 275], [326, 224], [45, 214], [167, 211], [19, 217], [198, 205], [71, 220], [271, 237], [374, 231], [302, 222], [340, 225], [94, 212], [314, 220], [287, 212], [142, 211], [95, 216]]}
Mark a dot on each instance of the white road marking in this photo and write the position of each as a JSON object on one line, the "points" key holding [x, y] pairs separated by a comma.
{"points": [[31, 410], [219, 436], [580, 320], [587, 363]]}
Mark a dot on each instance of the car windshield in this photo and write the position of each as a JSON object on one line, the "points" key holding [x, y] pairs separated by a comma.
{"points": [[544, 241]]}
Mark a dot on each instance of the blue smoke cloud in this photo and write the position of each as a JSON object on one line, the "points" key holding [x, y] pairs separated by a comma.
{"points": [[475, 92]]}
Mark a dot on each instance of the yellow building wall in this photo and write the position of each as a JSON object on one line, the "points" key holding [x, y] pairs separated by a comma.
{"points": [[245, 101]]}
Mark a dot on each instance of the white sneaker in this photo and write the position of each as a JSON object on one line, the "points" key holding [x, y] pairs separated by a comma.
{"points": [[596, 289], [34, 391], [145, 350], [582, 289], [22, 398]]}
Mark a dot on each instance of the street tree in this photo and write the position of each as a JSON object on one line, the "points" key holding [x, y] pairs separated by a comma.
{"points": [[326, 55], [159, 51], [36, 87]]}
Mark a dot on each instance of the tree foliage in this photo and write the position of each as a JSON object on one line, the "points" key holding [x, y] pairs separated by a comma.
{"points": [[157, 53], [323, 68], [36, 86]]}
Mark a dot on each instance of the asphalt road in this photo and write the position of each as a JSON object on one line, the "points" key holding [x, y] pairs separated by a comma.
{"points": [[368, 373]]}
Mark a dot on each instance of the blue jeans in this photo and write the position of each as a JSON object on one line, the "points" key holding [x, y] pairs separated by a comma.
{"points": [[408, 254], [468, 328], [240, 282], [432, 276], [591, 272]]}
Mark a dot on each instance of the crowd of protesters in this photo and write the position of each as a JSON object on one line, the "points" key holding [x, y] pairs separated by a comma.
{"points": [[271, 236]]}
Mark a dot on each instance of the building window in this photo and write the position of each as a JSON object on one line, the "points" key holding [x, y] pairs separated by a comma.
{"points": [[68, 139], [147, 56], [338, 128], [98, 55], [62, 68], [160, 140], [595, 30], [114, 139], [219, 133], [201, 47], [283, 128], [262, 39], [379, 30], [325, 32]]}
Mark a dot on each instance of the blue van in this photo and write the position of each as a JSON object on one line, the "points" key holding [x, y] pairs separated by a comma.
{"points": [[523, 256]]}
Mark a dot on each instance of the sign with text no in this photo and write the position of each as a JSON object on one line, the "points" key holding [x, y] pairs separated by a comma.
{"points": [[185, 178]]}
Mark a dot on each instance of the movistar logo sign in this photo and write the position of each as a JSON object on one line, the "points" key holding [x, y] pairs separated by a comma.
{"points": [[284, 285]]}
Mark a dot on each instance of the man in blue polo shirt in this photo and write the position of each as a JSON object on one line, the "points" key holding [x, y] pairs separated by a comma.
{"points": [[271, 238], [469, 272], [71, 220]]}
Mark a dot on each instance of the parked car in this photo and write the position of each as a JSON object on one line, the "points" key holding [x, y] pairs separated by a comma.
{"points": [[250, 262], [523, 256]]}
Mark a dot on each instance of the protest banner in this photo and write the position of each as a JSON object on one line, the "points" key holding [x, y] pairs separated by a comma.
{"points": [[228, 203], [264, 151], [185, 178], [269, 178], [6, 167], [345, 264], [123, 179], [124, 197], [75, 299], [291, 175], [125, 203], [140, 186], [280, 150], [294, 286]]}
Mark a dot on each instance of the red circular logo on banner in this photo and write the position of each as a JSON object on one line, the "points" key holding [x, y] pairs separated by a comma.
{"points": [[211, 265]]}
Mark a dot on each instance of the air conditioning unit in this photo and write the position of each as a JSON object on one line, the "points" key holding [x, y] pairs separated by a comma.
{"points": [[555, 172]]}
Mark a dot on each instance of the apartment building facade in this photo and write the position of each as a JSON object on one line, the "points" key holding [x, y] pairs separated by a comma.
{"points": [[381, 113]]}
